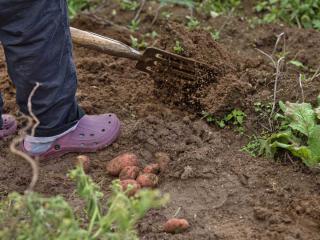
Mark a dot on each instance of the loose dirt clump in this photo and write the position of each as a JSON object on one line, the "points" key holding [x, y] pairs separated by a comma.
{"points": [[215, 92]]}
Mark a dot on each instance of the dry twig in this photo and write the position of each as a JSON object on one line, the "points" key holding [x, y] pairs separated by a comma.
{"points": [[19, 139]]}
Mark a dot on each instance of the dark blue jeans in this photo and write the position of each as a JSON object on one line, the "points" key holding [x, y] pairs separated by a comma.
{"points": [[36, 39]]}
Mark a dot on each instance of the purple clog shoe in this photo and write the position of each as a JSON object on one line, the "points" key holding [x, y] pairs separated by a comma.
{"points": [[93, 133], [9, 126]]}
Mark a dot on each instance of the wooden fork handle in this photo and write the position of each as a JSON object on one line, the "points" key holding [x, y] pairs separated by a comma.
{"points": [[103, 44]]}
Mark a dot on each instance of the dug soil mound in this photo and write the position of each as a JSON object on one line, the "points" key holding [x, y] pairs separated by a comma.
{"points": [[215, 92]]}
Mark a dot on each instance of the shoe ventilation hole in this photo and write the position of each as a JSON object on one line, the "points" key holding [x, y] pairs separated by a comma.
{"points": [[92, 135], [103, 130]]}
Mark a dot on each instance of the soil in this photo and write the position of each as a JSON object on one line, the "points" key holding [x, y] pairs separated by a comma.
{"points": [[223, 192]]}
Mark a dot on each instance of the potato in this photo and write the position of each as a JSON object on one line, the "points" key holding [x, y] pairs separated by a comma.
{"points": [[163, 160], [135, 186], [148, 180], [129, 172], [176, 225], [84, 161], [152, 168], [115, 166]]}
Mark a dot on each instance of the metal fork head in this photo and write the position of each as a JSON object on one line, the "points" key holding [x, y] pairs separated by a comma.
{"points": [[157, 61]]}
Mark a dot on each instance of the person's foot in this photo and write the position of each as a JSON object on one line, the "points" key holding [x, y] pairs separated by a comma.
{"points": [[9, 126], [91, 134]]}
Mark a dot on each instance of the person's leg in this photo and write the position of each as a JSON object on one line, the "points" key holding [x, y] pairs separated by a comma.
{"points": [[36, 39], [37, 43]]}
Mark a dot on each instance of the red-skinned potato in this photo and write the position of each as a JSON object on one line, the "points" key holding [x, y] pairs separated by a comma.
{"points": [[115, 166], [84, 161], [176, 225], [152, 168], [148, 180], [129, 172], [135, 186]]}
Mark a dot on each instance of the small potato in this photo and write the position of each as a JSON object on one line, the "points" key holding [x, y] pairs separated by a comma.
{"points": [[84, 161], [148, 180], [163, 160], [176, 225], [135, 186], [129, 172], [152, 168], [115, 166]]}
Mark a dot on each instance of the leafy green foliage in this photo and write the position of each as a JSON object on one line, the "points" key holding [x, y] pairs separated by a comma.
{"points": [[129, 5], [235, 118], [252, 147], [187, 3], [134, 25], [75, 6], [34, 217], [178, 49], [301, 136], [305, 13], [192, 23], [216, 7], [135, 43]]}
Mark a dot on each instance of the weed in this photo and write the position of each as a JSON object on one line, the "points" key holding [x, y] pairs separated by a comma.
{"points": [[33, 216], [302, 13], [215, 35], [134, 25], [166, 15], [235, 118], [299, 134], [253, 146], [129, 5], [192, 23], [178, 49], [75, 6], [187, 3], [216, 7], [297, 63], [135, 43]]}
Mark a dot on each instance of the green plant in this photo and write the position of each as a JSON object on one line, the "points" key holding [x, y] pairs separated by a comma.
{"points": [[216, 7], [166, 14], [235, 118], [178, 49], [75, 6], [34, 217], [192, 23], [298, 64], [135, 43], [129, 5], [252, 147], [215, 35], [300, 134], [187, 3], [305, 13], [134, 25]]}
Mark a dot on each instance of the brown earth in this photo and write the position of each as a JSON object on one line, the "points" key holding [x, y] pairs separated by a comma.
{"points": [[224, 193]]}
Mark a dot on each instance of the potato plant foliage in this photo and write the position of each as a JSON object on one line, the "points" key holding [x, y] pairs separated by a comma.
{"points": [[33, 216], [300, 135]]}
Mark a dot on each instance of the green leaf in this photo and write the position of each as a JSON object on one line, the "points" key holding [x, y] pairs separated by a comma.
{"points": [[297, 63], [317, 111], [302, 117]]}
